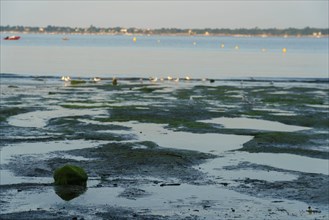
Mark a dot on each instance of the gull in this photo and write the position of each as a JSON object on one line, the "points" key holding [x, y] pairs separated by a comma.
{"points": [[169, 78], [187, 78], [153, 79], [248, 100], [96, 79], [177, 79], [66, 78], [191, 100]]}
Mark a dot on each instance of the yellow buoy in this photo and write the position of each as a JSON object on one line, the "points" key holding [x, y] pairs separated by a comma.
{"points": [[134, 39], [284, 50]]}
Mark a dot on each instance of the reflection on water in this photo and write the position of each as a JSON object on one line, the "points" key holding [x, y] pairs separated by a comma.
{"points": [[68, 193], [216, 167], [208, 202], [289, 162], [257, 124], [7, 177], [12, 150], [208, 142], [39, 119]]}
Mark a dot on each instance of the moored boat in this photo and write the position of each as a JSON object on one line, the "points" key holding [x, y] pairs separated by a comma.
{"points": [[12, 38]]}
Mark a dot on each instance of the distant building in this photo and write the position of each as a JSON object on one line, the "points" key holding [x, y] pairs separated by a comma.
{"points": [[123, 30]]}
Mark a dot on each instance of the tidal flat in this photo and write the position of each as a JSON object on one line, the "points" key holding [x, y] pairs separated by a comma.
{"points": [[193, 149]]}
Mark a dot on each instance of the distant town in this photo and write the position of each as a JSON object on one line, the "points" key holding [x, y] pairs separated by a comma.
{"points": [[307, 31]]}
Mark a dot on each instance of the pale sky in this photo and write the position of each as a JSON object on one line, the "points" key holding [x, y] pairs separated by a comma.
{"points": [[157, 14]]}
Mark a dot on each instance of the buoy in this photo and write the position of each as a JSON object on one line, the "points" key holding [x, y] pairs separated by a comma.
{"points": [[284, 50], [134, 39], [194, 43], [237, 47], [222, 45]]}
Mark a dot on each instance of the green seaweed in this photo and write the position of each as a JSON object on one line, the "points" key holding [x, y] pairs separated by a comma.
{"points": [[77, 82], [146, 89], [281, 138], [71, 106], [6, 112], [70, 175], [283, 142], [130, 159]]}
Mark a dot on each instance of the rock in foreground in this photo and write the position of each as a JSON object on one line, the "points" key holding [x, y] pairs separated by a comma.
{"points": [[70, 175]]}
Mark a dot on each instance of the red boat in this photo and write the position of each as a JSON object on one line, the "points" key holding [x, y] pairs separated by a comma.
{"points": [[12, 38]]}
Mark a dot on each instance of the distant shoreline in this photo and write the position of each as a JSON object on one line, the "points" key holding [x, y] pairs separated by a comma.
{"points": [[167, 35], [223, 32]]}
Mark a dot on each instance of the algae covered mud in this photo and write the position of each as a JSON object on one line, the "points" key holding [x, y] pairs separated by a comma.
{"points": [[193, 149]]}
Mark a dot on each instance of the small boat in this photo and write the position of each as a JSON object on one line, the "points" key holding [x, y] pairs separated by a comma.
{"points": [[12, 38]]}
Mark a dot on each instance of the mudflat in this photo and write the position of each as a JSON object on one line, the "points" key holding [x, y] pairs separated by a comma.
{"points": [[187, 149]]}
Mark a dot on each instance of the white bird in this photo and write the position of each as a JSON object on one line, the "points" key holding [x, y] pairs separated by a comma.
{"points": [[153, 79], [177, 79], [169, 78], [66, 78], [191, 100], [188, 78], [96, 79]]}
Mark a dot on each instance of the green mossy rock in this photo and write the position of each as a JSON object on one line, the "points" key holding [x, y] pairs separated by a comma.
{"points": [[70, 175]]}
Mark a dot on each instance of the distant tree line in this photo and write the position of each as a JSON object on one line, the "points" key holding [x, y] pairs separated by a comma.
{"points": [[206, 31]]}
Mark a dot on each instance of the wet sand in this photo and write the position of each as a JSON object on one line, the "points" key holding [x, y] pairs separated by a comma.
{"points": [[165, 150]]}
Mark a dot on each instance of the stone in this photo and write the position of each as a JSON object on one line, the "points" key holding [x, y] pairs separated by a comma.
{"points": [[70, 175]]}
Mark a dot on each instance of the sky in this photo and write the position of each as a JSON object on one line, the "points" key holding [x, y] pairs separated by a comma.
{"points": [[168, 14]]}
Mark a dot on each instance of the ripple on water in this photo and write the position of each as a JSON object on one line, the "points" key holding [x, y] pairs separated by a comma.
{"points": [[254, 124], [39, 119]]}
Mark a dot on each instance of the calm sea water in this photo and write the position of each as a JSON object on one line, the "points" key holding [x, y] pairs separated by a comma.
{"points": [[177, 56]]}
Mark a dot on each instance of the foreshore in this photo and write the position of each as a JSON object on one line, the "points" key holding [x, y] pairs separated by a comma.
{"points": [[220, 149]]}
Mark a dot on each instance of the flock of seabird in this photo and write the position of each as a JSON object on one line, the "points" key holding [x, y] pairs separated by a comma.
{"points": [[151, 79]]}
